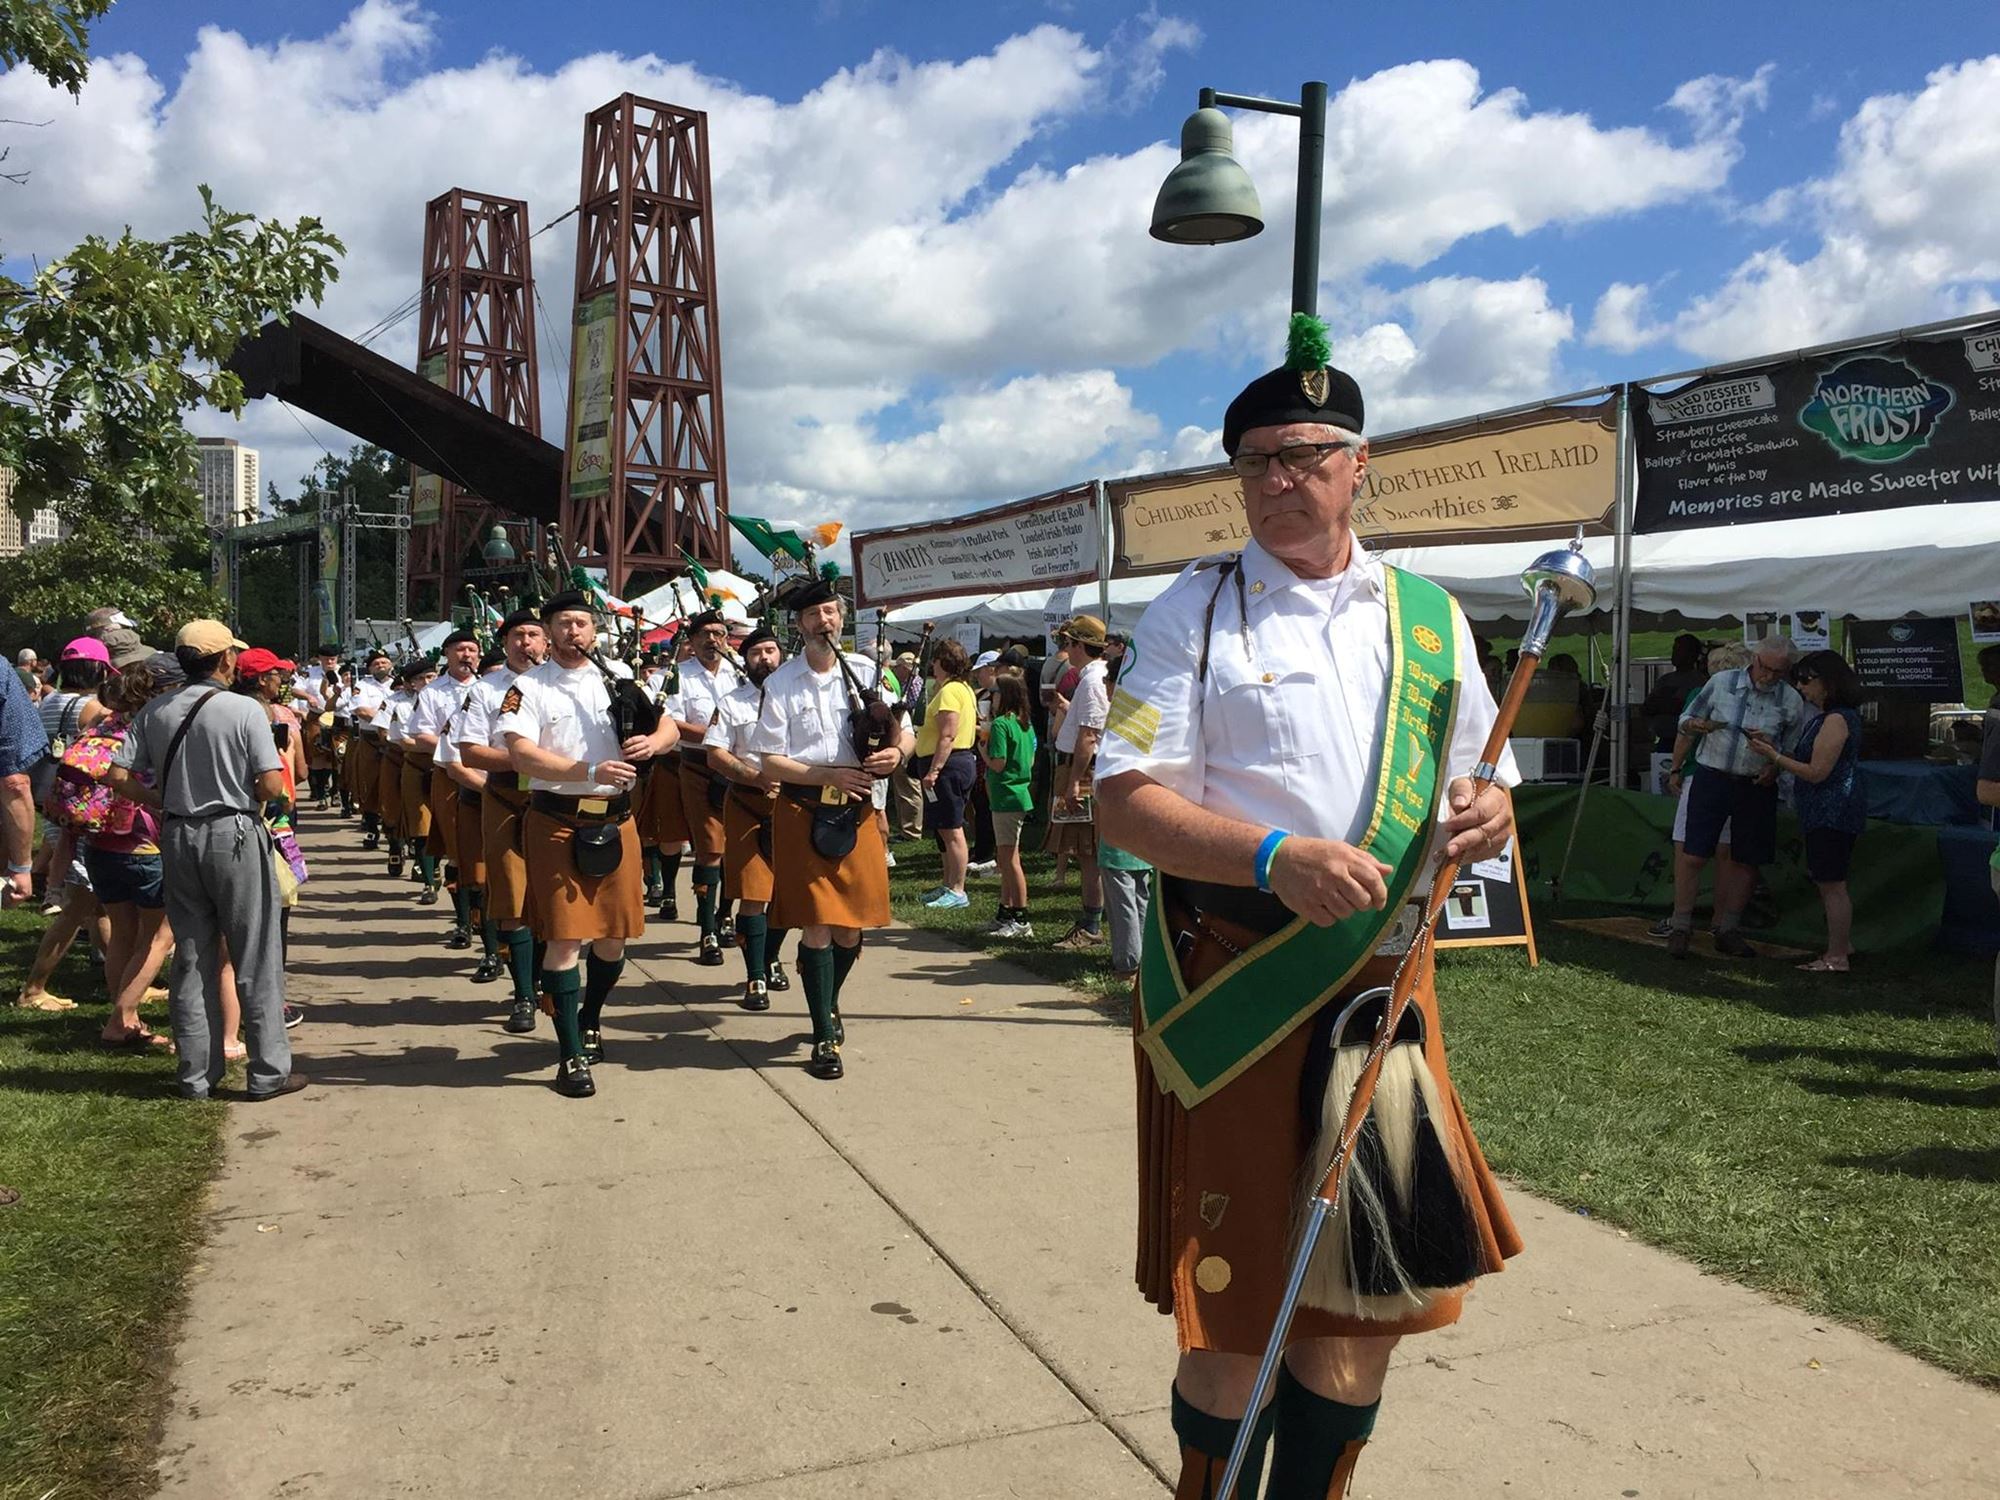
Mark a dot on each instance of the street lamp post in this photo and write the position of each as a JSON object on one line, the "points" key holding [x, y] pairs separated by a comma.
{"points": [[1210, 200]]}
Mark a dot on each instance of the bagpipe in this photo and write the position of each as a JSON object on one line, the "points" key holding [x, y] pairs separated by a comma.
{"points": [[871, 718], [633, 712]]}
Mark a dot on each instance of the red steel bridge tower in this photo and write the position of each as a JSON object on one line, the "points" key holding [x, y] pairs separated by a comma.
{"points": [[476, 338], [644, 476]]}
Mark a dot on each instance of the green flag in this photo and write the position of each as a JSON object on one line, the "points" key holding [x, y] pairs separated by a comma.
{"points": [[767, 540], [695, 571]]}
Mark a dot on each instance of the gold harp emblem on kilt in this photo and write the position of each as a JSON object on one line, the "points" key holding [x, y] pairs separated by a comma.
{"points": [[1316, 384]]}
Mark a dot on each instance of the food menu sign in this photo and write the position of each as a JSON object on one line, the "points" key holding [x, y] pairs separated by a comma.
{"points": [[1046, 542], [1906, 422]]}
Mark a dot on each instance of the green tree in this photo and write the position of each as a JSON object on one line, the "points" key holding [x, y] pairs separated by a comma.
{"points": [[50, 36]]}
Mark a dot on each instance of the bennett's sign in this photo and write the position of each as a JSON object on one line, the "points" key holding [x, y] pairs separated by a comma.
{"points": [[1041, 543], [1537, 474]]}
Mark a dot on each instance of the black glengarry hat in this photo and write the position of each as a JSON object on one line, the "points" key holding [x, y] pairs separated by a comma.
{"points": [[1303, 389]]}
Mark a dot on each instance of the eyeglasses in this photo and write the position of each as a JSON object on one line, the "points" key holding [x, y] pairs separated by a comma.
{"points": [[1298, 458]]}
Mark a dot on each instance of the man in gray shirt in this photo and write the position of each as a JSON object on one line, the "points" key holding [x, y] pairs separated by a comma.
{"points": [[212, 764]]}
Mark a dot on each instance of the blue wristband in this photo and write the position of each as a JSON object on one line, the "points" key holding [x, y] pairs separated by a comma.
{"points": [[1265, 852]]}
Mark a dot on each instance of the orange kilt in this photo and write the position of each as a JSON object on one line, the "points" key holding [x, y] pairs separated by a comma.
{"points": [[468, 841], [415, 797], [704, 822], [444, 818], [564, 906], [1219, 1183], [389, 788], [810, 891], [500, 814], [746, 871], [363, 765], [662, 823]]}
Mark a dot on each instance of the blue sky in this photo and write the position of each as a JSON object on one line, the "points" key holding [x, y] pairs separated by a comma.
{"points": [[984, 317]]}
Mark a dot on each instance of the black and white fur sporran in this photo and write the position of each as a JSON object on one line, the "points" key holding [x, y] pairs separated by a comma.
{"points": [[1402, 1231]]}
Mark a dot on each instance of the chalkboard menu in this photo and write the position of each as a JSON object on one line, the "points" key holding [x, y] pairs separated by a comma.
{"points": [[1915, 659], [1488, 906]]}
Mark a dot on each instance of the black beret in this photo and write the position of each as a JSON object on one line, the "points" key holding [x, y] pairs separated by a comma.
{"points": [[519, 617], [813, 591], [1303, 389], [327, 650], [413, 665], [555, 604], [492, 659], [460, 638], [378, 652], [757, 637], [705, 619]]}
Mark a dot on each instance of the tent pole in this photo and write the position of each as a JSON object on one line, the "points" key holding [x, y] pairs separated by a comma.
{"points": [[1621, 638]]}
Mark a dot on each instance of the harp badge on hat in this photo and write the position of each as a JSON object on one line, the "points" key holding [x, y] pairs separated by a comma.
{"points": [[1316, 384]]}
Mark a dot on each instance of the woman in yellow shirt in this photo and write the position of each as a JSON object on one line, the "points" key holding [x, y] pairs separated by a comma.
{"points": [[944, 753]]}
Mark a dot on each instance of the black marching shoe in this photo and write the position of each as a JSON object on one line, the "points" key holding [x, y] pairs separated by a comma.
{"points": [[670, 910], [754, 996], [489, 970], [825, 1061], [593, 1046], [521, 1020], [839, 1029], [711, 953], [428, 896], [655, 894], [573, 1079], [725, 932], [371, 841], [395, 866], [461, 937], [775, 976]]}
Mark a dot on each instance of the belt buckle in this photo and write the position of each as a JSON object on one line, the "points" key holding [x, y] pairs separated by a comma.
{"points": [[832, 796], [595, 807]]}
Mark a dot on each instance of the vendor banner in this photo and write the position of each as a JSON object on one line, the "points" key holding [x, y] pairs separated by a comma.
{"points": [[426, 488], [1908, 659], [1903, 422], [1045, 542], [1534, 474]]}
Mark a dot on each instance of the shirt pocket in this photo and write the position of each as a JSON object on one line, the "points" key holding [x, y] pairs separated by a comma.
{"points": [[1265, 713]]}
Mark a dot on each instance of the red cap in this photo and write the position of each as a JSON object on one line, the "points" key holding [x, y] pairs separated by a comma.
{"points": [[256, 662]]}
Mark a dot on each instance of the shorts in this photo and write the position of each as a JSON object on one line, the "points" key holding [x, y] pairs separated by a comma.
{"points": [[119, 878], [944, 806], [1829, 855], [1681, 815], [878, 794], [1007, 827], [78, 873], [1747, 807]]}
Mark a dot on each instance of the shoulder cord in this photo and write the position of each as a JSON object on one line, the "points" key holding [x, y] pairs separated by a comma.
{"points": [[1230, 570]]}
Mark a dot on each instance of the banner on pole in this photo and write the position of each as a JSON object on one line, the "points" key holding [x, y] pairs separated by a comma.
{"points": [[592, 380], [1532, 475], [426, 488], [1045, 542], [1902, 422]]}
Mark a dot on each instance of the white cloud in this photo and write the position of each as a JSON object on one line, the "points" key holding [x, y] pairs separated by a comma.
{"points": [[1716, 105], [917, 308], [1623, 321], [1903, 223]]}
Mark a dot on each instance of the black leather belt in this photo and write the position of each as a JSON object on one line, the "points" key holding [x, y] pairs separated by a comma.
{"points": [[468, 796], [809, 795], [1244, 905], [560, 805], [695, 756]]}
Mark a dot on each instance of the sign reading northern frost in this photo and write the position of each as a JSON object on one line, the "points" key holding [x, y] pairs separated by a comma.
{"points": [[1910, 422], [1046, 542]]}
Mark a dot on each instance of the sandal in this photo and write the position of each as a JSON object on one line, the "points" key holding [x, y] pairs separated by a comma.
{"points": [[1825, 964], [140, 1038], [234, 1051], [46, 1001]]}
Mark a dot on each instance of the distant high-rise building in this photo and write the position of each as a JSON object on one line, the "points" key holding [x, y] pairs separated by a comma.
{"points": [[228, 482], [42, 526]]}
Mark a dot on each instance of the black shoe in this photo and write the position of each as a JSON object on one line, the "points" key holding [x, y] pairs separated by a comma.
{"points": [[521, 1020], [428, 896], [725, 934], [670, 910], [1677, 942], [593, 1046], [839, 1029], [775, 976], [371, 841], [825, 1061], [489, 970], [395, 869], [711, 953], [293, 1015], [1731, 945], [573, 1079], [755, 997], [292, 1084], [655, 894], [461, 937]]}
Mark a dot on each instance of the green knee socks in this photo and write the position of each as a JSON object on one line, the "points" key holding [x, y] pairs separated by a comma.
{"points": [[1314, 1433], [707, 895], [843, 962], [521, 962], [461, 904], [816, 978], [600, 975], [752, 931], [1205, 1443], [565, 987], [427, 865]]}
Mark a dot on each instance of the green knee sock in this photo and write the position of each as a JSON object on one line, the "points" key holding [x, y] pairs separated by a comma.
{"points": [[1314, 1432], [707, 887], [541, 957], [816, 978], [600, 975], [521, 962], [565, 987], [461, 904], [774, 943], [1205, 1443], [652, 868], [427, 866], [843, 962], [489, 934], [670, 872], [751, 932]]}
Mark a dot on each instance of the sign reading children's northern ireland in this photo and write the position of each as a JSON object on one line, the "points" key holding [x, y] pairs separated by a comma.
{"points": [[1915, 422]]}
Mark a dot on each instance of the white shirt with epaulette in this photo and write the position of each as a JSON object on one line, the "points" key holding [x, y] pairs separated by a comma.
{"points": [[567, 710], [805, 713]]}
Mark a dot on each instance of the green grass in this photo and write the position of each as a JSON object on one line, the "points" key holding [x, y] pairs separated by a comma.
{"points": [[1833, 1140], [110, 1169]]}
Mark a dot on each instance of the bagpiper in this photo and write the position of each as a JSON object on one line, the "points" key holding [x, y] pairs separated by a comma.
{"points": [[368, 711], [706, 678], [435, 706], [747, 877]]}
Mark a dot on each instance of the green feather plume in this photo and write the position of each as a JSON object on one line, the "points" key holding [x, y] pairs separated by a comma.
{"points": [[829, 571], [1307, 346]]}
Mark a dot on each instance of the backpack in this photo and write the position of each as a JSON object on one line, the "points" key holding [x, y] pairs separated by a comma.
{"points": [[78, 798]]}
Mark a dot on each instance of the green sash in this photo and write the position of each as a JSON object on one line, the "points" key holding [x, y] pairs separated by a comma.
{"points": [[1200, 1041]]}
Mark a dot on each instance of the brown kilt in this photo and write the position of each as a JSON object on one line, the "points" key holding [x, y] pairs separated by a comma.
{"points": [[662, 822], [444, 817], [500, 814], [389, 788], [563, 906], [363, 766], [746, 873], [704, 823], [1219, 1184], [810, 891], [468, 839], [416, 798]]}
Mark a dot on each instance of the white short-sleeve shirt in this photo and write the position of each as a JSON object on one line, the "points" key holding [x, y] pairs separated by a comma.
{"points": [[805, 713], [478, 723], [1286, 731], [1088, 706], [735, 719], [567, 710], [702, 691], [368, 693], [398, 711], [451, 733], [436, 704]]}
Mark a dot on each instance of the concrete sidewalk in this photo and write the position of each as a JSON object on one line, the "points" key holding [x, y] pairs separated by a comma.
{"points": [[429, 1275]]}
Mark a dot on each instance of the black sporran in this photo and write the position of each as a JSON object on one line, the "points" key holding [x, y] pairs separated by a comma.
{"points": [[834, 828], [597, 848]]}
